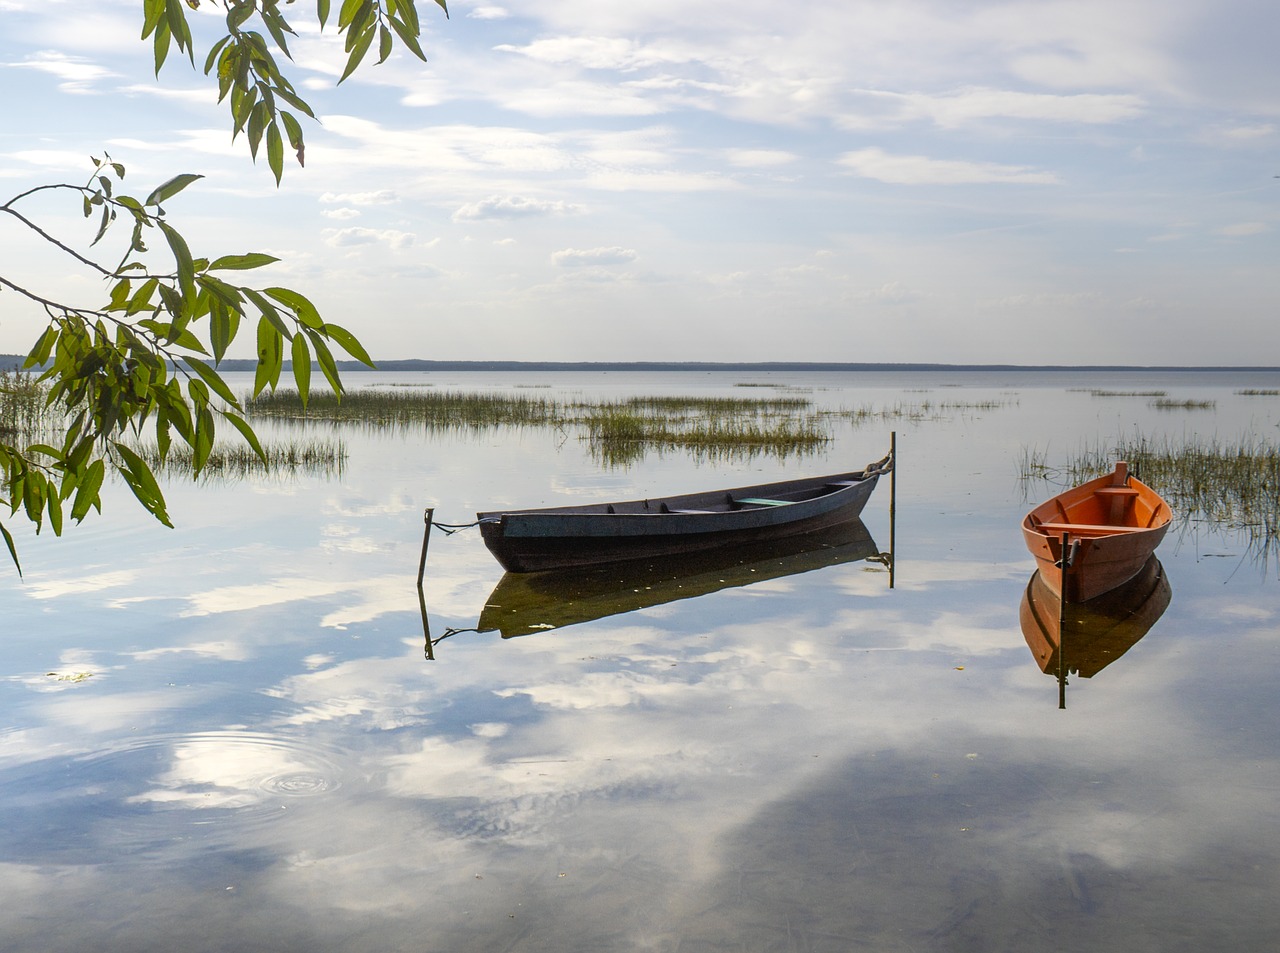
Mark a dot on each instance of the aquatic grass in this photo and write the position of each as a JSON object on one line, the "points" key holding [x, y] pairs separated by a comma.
{"points": [[616, 438], [1253, 392], [25, 415], [434, 410], [1128, 393], [1168, 404], [237, 461]]}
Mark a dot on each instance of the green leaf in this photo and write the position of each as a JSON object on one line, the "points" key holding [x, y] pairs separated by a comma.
{"points": [[347, 341], [247, 432], [322, 10], [181, 257], [408, 37], [275, 151], [53, 503], [363, 41], [212, 378], [13, 550], [142, 482], [242, 262], [301, 357], [270, 356], [87, 487], [384, 43], [169, 189], [204, 439], [307, 313], [43, 348]]}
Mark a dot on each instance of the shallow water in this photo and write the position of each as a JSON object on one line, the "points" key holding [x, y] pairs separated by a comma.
{"points": [[228, 735]]}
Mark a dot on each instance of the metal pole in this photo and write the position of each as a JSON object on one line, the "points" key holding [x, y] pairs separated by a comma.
{"points": [[1065, 560]]}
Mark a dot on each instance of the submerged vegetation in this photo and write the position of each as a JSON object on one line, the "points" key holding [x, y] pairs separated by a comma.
{"points": [[618, 431], [1169, 404]]}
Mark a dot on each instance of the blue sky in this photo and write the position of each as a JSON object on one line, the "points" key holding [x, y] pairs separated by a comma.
{"points": [[1022, 182]]}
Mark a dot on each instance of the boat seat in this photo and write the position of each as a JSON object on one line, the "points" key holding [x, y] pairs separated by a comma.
{"points": [[1087, 529], [1116, 491], [663, 508], [757, 501]]}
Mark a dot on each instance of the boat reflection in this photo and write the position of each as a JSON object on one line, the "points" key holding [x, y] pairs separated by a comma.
{"points": [[527, 603], [1083, 638]]}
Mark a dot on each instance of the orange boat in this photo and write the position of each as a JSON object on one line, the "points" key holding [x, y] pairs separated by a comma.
{"points": [[1112, 525]]}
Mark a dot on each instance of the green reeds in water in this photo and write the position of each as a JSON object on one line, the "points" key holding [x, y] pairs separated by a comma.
{"points": [[1169, 404], [25, 417], [617, 437], [434, 410], [325, 458]]}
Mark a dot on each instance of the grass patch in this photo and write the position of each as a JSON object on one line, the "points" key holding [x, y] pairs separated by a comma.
{"points": [[1253, 392], [311, 457], [1166, 404], [1128, 393]]}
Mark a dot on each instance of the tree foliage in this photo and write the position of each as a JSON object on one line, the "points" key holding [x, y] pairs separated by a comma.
{"points": [[145, 358]]}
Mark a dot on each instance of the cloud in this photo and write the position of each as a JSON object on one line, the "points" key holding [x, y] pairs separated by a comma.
{"points": [[1248, 133], [340, 214], [1244, 229], [381, 197], [973, 103], [76, 73], [506, 207], [921, 170], [356, 235], [576, 257], [488, 13], [759, 158], [597, 52]]}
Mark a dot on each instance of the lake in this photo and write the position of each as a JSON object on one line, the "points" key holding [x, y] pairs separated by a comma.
{"points": [[229, 735]]}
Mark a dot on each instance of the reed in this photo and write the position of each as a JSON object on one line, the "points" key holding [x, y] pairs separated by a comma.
{"points": [[326, 458], [617, 438], [434, 410], [25, 415], [1128, 393], [1253, 392], [1168, 404]]}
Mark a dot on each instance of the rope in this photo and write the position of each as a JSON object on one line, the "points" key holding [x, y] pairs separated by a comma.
{"points": [[450, 528]]}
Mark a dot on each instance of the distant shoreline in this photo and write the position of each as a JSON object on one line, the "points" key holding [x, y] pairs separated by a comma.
{"points": [[15, 360]]}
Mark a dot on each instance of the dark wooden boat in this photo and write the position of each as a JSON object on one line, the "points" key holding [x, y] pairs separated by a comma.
{"points": [[1083, 638], [1113, 524], [526, 603], [565, 537]]}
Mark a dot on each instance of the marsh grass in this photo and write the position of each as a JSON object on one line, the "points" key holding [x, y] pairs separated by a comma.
{"points": [[435, 410], [617, 438], [1168, 404], [25, 417], [325, 458], [1258, 393], [1128, 393]]}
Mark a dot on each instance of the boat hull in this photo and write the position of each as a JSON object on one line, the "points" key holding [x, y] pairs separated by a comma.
{"points": [[528, 603], [540, 540], [1112, 524]]}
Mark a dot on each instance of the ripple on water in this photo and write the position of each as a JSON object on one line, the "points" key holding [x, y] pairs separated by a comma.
{"points": [[158, 790]]}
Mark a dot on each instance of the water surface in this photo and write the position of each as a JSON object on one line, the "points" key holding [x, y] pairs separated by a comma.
{"points": [[227, 735]]}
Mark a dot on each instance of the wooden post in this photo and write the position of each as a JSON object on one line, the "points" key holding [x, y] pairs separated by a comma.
{"points": [[429, 649], [893, 503]]}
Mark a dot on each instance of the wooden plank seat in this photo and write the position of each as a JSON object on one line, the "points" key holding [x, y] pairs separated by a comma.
{"points": [[758, 501], [1116, 491], [1087, 529]]}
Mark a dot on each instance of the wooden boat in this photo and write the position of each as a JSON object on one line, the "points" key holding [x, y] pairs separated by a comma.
{"points": [[1083, 638], [1113, 524], [526, 603], [566, 537]]}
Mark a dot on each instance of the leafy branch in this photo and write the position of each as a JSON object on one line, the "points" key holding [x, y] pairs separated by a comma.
{"points": [[249, 78], [148, 356]]}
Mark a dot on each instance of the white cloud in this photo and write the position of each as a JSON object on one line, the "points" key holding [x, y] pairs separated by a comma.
{"points": [[488, 13], [356, 235], [574, 257], [340, 214], [921, 170], [77, 74], [760, 158], [974, 103], [1244, 229], [512, 207], [381, 197]]}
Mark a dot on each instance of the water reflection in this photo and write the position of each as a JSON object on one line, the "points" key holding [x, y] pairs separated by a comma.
{"points": [[526, 603], [1083, 638]]}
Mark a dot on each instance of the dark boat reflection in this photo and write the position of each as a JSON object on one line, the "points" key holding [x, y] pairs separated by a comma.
{"points": [[1083, 638], [526, 603]]}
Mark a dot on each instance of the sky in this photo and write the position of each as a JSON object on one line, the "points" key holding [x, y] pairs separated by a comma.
{"points": [[940, 181]]}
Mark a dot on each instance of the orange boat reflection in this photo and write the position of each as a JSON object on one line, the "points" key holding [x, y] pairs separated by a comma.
{"points": [[1083, 638]]}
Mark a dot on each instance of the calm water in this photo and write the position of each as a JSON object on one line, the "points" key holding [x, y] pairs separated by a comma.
{"points": [[227, 736]]}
